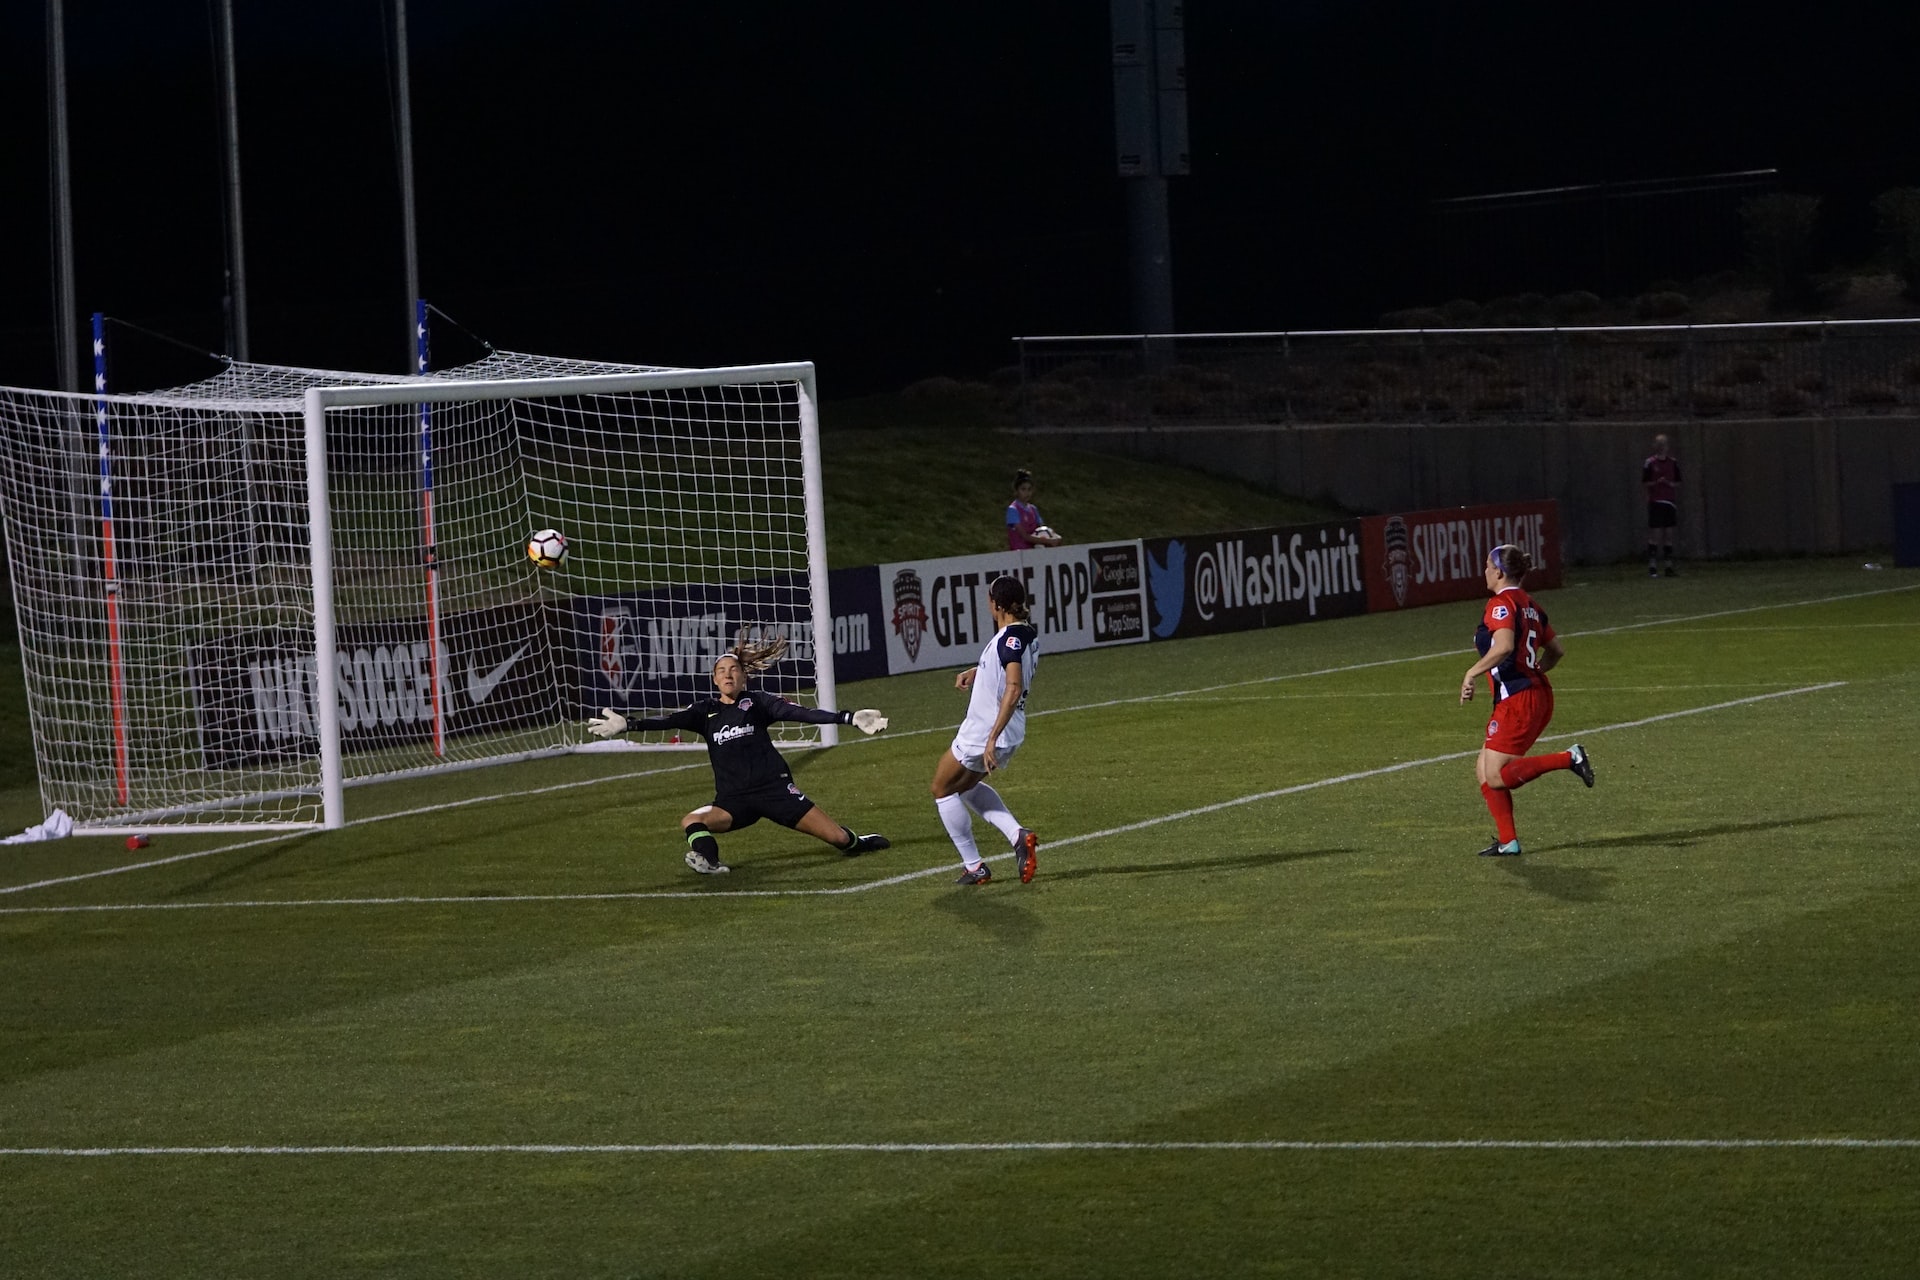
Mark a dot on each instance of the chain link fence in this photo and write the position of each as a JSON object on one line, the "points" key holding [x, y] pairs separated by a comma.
{"points": [[1652, 372]]}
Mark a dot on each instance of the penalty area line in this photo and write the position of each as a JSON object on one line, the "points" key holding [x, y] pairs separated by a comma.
{"points": [[924, 872], [989, 1148]]}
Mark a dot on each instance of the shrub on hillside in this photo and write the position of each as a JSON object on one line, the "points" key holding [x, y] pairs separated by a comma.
{"points": [[1665, 304], [1899, 213], [1780, 230], [1414, 318], [1576, 306]]}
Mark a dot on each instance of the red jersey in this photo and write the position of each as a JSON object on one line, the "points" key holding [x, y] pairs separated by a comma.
{"points": [[1514, 610], [1661, 475]]}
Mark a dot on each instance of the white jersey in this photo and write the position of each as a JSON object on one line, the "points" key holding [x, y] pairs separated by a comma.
{"points": [[1015, 642]]}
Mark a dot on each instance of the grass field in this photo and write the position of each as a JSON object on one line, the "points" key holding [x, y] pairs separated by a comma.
{"points": [[1262, 1011]]}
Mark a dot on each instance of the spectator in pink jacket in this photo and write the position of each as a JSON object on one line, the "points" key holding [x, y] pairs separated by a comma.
{"points": [[1025, 528]]}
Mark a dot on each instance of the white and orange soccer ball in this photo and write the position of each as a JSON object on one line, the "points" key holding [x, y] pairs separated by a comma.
{"points": [[547, 548]]}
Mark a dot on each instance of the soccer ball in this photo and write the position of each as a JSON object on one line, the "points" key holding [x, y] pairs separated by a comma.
{"points": [[547, 548]]}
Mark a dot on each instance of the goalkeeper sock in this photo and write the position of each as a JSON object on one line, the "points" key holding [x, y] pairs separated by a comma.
{"points": [[1500, 805], [852, 839], [1518, 773], [986, 802], [959, 825], [701, 841]]}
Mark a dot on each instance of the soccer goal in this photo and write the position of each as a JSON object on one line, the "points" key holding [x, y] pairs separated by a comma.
{"points": [[238, 598]]}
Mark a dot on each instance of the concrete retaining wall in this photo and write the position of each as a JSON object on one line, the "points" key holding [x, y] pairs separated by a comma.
{"points": [[1766, 486]]}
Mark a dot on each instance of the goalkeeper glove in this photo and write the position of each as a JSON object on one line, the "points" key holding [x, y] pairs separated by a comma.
{"points": [[869, 721], [608, 723]]}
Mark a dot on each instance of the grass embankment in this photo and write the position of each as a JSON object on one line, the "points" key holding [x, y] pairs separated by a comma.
{"points": [[902, 493]]}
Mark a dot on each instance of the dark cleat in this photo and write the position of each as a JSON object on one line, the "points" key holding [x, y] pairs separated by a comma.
{"points": [[1498, 850], [975, 875], [868, 844], [1582, 763], [1026, 854]]}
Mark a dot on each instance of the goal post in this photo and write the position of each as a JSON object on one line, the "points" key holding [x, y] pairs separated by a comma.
{"points": [[271, 545]]}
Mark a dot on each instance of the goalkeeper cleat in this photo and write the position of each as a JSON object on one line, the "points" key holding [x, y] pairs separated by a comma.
{"points": [[1026, 854], [704, 865], [1499, 850], [873, 843], [975, 875], [1582, 763]]}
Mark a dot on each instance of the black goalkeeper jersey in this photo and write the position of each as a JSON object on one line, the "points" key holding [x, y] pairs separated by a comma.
{"points": [[738, 746]]}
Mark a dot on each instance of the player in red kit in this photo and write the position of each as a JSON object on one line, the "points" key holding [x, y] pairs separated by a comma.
{"points": [[1517, 649], [1660, 473]]}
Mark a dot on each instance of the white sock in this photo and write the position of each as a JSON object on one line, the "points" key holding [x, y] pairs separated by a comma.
{"points": [[959, 823], [986, 802]]}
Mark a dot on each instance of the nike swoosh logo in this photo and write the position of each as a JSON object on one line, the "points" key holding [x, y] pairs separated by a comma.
{"points": [[481, 687]]}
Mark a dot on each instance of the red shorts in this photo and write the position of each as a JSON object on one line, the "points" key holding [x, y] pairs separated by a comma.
{"points": [[1519, 719]]}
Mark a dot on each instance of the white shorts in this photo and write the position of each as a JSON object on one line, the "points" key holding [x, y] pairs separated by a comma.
{"points": [[971, 755]]}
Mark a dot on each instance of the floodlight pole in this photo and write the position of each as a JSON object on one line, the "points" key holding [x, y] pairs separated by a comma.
{"points": [[403, 98], [66, 317], [1150, 137], [237, 344]]}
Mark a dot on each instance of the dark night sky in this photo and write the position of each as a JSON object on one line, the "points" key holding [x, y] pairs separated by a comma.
{"points": [[890, 190]]}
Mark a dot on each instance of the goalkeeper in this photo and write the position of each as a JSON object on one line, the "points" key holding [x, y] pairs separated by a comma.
{"points": [[750, 780]]}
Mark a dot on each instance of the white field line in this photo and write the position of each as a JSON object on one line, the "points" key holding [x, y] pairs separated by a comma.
{"points": [[914, 733], [991, 1148], [903, 878], [282, 837], [1430, 695]]}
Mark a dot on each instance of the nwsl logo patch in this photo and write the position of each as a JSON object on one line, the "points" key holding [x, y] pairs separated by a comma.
{"points": [[1501, 613], [1399, 559], [910, 616]]}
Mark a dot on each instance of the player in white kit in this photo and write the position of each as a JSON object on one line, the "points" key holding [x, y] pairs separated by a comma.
{"points": [[995, 726]]}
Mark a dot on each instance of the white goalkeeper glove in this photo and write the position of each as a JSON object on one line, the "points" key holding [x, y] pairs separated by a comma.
{"points": [[608, 723], [869, 721]]}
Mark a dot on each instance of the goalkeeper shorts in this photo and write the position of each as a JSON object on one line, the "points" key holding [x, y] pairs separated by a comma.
{"points": [[782, 802]]}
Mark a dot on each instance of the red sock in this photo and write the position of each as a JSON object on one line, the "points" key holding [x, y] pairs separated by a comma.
{"points": [[1500, 805], [1518, 773]]}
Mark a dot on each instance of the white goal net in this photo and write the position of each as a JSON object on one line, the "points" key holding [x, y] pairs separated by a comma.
{"points": [[238, 597]]}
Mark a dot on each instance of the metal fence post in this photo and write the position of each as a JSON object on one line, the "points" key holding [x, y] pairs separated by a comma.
{"points": [[1826, 371], [1559, 377], [1286, 359], [1146, 374], [1686, 374], [1024, 397]]}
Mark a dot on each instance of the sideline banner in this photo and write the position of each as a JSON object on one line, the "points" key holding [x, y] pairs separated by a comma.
{"points": [[1083, 596], [502, 668], [1211, 583], [1431, 557]]}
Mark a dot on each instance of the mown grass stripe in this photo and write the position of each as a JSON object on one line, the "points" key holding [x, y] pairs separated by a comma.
{"points": [[922, 873], [989, 1148]]}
